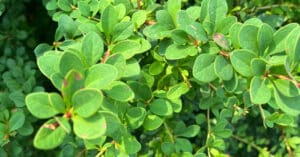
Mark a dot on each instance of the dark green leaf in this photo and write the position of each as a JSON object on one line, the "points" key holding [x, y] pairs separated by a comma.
{"points": [[287, 104], [157, 31], [286, 88], [173, 7], [258, 66], [132, 68], [190, 131], [16, 120], [168, 148], [180, 37], [184, 145], [39, 105], [161, 107], [139, 18], [65, 5], [120, 91], [280, 37], [48, 63], [223, 69], [113, 123], [135, 116], [225, 24], [72, 82], [259, 91], [57, 101], [122, 31], [177, 90], [128, 48], [203, 69], [152, 122], [292, 45], [109, 19], [141, 91], [175, 52], [193, 12], [67, 26], [156, 68], [68, 62], [264, 37], [84, 8], [131, 145], [18, 98], [50, 135], [196, 30], [248, 37], [86, 102], [92, 48], [234, 34], [118, 61], [241, 61], [85, 127], [100, 76]]}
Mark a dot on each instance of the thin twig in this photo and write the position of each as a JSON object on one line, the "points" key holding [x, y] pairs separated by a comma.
{"points": [[208, 131], [139, 4], [275, 6], [150, 22], [168, 131], [287, 146], [224, 53], [262, 113], [94, 19], [105, 57], [185, 79], [79, 154], [247, 142], [212, 86], [297, 84], [102, 150]]}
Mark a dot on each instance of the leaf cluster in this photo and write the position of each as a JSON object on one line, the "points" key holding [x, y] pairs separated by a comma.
{"points": [[140, 78]]}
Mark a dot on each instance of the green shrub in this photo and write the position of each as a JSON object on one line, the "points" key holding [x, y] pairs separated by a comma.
{"points": [[143, 78], [19, 77]]}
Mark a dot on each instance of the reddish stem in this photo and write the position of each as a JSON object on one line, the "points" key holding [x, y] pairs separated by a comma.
{"points": [[52, 126], [105, 57], [297, 84], [150, 22], [139, 4], [224, 53]]}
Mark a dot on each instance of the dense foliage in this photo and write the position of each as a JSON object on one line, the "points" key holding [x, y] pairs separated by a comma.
{"points": [[19, 34], [147, 78]]}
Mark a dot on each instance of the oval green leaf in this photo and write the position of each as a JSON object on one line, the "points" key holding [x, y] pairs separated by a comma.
{"points": [[223, 69], [39, 105], [241, 61], [203, 69], [86, 102], [68, 62], [259, 91], [152, 122], [50, 135], [16, 120], [100, 76], [92, 48], [89, 128], [175, 52], [161, 107], [120, 91], [135, 117]]}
